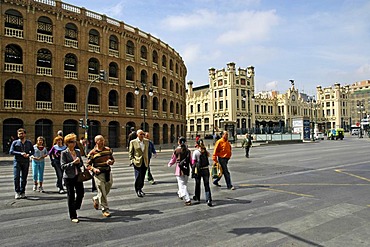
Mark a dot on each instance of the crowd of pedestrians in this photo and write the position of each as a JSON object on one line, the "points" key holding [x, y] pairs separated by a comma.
{"points": [[66, 158]]}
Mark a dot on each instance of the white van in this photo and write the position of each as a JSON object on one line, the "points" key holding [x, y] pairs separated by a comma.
{"points": [[319, 136]]}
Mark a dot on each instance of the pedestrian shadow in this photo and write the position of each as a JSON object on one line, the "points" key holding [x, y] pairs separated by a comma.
{"points": [[229, 200], [161, 194], [266, 230], [121, 216]]}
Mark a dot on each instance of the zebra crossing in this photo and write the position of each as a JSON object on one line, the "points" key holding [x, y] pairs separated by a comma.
{"points": [[248, 216]]}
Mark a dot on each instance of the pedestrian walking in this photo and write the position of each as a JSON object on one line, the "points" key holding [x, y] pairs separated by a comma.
{"points": [[222, 154], [201, 170], [247, 144], [22, 150], [100, 160], [55, 155], [38, 163], [71, 162], [139, 157], [152, 152], [131, 136], [182, 158]]}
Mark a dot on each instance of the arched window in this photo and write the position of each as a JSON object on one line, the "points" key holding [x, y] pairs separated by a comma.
{"points": [[44, 58], [113, 98], [155, 80], [144, 101], [130, 48], [13, 90], [155, 57], [70, 62], [177, 87], [164, 105], [130, 73], [94, 37], [45, 26], [171, 85], [130, 100], [93, 98], [143, 76], [143, 52], [171, 65], [164, 61], [13, 54], [177, 68], [164, 83], [71, 31], [155, 104], [70, 94], [171, 107], [113, 43], [113, 70], [93, 66], [43, 92], [177, 108], [13, 19]]}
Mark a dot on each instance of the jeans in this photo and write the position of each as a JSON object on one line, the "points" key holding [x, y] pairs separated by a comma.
{"points": [[139, 176], [20, 171], [225, 171], [149, 174], [182, 182], [74, 201], [38, 170], [59, 173], [203, 173], [247, 151]]}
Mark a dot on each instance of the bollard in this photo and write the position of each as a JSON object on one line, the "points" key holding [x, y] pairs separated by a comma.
{"points": [[160, 149], [174, 147], [209, 146]]}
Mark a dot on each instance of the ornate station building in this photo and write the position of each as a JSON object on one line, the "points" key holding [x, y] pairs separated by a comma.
{"points": [[52, 57]]}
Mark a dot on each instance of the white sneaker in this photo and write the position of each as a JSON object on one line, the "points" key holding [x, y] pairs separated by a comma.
{"points": [[41, 189], [61, 191], [23, 196], [17, 195], [34, 187]]}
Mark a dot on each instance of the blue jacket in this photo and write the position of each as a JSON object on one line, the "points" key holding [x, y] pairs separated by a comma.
{"points": [[18, 147], [151, 150]]}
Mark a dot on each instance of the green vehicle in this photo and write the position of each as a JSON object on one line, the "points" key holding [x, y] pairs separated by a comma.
{"points": [[336, 134]]}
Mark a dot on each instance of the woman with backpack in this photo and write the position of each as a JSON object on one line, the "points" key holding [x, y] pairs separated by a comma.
{"points": [[182, 158], [201, 170]]}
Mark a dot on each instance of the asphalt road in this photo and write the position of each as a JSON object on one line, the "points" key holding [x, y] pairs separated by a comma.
{"points": [[309, 194]]}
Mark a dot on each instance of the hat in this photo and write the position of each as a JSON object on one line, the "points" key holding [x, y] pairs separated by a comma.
{"points": [[132, 129]]}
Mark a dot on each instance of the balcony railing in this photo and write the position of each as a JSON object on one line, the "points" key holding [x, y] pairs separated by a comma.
{"points": [[171, 115], [13, 104], [70, 106], [44, 105], [92, 77], [93, 108], [155, 113], [44, 71], [13, 67], [113, 53], [94, 48], [12, 32], [113, 109], [130, 111], [112, 80], [130, 57], [130, 84], [45, 38], [70, 74], [71, 43]]}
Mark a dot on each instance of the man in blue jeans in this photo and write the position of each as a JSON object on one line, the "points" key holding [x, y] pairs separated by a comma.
{"points": [[22, 149]]}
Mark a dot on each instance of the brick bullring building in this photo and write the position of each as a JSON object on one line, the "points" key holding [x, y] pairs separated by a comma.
{"points": [[53, 51]]}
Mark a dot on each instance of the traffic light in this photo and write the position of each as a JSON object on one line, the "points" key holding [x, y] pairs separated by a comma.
{"points": [[103, 75], [81, 122], [87, 123]]}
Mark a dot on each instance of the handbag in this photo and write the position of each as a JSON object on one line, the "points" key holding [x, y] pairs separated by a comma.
{"points": [[84, 175], [216, 170]]}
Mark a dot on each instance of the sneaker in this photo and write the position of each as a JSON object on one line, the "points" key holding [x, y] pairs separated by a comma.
{"points": [[61, 191], [106, 214], [41, 189], [209, 203], [95, 203], [75, 220], [188, 203], [17, 195], [23, 196], [152, 182], [35, 187], [216, 184], [232, 188], [195, 198]]}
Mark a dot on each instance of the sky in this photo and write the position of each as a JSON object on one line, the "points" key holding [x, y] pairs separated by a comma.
{"points": [[314, 42]]}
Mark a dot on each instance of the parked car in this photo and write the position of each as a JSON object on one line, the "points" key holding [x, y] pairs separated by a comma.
{"points": [[355, 132], [319, 136]]}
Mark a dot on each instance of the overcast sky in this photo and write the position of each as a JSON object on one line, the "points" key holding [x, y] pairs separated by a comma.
{"points": [[314, 42]]}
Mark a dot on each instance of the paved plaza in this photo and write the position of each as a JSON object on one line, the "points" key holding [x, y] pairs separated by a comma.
{"points": [[307, 194]]}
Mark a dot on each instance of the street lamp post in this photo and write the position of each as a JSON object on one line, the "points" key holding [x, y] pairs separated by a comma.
{"points": [[137, 91], [312, 102], [360, 108]]}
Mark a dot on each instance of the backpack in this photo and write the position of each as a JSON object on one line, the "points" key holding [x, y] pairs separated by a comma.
{"points": [[203, 160], [185, 164]]}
